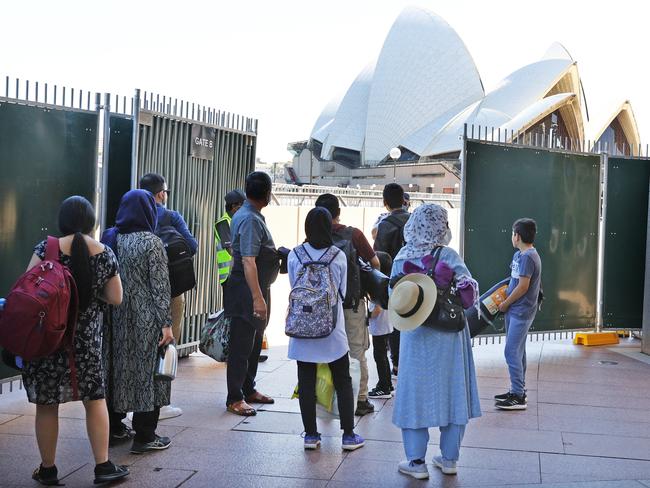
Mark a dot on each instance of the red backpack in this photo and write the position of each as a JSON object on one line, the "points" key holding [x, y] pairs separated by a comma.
{"points": [[40, 313]]}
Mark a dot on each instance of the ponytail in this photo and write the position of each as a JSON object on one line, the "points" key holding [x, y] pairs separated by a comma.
{"points": [[80, 266]]}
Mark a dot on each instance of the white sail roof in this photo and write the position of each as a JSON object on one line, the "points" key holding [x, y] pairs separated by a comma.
{"points": [[423, 71]]}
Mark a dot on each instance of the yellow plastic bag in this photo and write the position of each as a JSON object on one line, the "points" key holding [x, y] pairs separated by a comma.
{"points": [[324, 387]]}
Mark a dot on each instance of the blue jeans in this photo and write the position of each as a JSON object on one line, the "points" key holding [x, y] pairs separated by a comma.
{"points": [[415, 442], [515, 351]]}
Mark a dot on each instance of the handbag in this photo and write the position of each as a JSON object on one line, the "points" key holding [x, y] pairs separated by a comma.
{"points": [[215, 336], [448, 314], [167, 363], [374, 284]]}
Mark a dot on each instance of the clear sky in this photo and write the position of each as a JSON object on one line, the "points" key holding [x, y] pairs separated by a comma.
{"points": [[282, 61]]}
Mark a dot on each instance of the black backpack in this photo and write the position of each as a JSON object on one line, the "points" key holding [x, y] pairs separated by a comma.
{"points": [[390, 234], [179, 257], [343, 240]]}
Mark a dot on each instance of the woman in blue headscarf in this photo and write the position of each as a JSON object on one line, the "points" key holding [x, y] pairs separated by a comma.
{"points": [[140, 325]]}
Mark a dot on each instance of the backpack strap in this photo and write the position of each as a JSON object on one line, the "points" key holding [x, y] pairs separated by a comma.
{"points": [[52, 249], [330, 254], [302, 254]]}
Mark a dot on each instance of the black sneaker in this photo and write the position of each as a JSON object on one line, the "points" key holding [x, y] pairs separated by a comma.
{"points": [[504, 396], [512, 402], [108, 471], [46, 476], [376, 394], [121, 434], [158, 444], [364, 407]]}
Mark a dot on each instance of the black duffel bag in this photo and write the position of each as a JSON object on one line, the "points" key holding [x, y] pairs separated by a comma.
{"points": [[374, 285]]}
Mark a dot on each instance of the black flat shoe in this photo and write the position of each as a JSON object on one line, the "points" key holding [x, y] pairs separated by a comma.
{"points": [[47, 476], [108, 471]]}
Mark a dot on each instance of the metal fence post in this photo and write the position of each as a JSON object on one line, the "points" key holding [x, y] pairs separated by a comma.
{"points": [[136, 139], [463, 181], [105, 114], [602, 227]]}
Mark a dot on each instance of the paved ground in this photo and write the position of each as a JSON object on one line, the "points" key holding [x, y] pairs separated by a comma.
{"points": [[587, 426]]}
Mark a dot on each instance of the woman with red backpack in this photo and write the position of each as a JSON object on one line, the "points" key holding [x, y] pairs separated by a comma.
{"points": [[50, 380]]}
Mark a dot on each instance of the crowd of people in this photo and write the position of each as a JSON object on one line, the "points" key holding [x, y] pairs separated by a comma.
{"points": [[127, 314]]}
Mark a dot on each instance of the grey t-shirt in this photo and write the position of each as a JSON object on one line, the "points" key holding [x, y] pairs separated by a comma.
{"points": [[249, 231], [527, 264]]}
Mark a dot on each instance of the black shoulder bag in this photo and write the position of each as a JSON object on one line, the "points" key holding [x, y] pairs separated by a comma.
{"points": [[448, 314]]}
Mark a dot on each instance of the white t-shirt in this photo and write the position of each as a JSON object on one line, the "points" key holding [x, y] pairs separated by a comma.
{"points": [[379, 325]]}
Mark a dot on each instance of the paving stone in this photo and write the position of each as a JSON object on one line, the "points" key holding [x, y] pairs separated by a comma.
{"points": [[558, 468], [594, 413], [140, 477], [209, 480], [513, 439], [24, 425], [588, 425], [301, 464], [5, 417], [607, 446], [287, 423]]}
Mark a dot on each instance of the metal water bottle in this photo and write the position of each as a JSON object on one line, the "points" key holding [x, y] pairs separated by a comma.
{"points": [[167, 363]]}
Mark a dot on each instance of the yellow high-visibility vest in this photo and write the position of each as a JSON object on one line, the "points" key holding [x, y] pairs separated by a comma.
{"points": [[224, 259]]}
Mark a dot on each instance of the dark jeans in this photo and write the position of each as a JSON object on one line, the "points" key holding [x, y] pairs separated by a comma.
{"points": [[307, 394], [245, 346], [394, 348], [144, 424], [380, 353]]}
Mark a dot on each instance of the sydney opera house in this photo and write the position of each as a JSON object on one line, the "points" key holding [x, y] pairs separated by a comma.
{"points": [[421, 91]]}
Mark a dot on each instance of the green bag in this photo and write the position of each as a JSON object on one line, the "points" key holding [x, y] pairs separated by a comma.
{"points": [[324, 387]]}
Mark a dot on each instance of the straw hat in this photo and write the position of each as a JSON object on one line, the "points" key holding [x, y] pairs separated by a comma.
{"points": [[412, 301]]}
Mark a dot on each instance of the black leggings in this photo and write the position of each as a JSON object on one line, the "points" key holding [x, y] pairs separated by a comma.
{"points": [[307, 394], [394, 348]]}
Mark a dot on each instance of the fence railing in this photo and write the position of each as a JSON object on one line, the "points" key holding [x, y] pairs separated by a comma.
{"points": [[286, 194]]}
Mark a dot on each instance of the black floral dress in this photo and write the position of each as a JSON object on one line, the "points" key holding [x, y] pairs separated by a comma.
{"points": [[47, 380]]}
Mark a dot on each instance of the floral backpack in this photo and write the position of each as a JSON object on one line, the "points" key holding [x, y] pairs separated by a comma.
{"points": [[314, 297]]}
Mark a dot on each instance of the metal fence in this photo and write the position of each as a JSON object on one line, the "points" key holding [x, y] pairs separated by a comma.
{"points": [[56, 141], [592, 214], [285, 194]]}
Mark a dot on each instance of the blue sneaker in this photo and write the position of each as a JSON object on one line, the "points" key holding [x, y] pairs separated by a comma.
{"points": [[312, 441], [352, 442], [416, 469]]}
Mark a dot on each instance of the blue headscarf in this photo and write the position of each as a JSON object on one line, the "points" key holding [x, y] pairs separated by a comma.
{"points": [[137, 213]]}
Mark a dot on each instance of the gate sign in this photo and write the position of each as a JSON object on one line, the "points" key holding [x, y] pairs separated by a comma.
{"points": [[202, 143]]}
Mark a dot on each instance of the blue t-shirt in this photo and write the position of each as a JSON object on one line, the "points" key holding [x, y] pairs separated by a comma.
{"points": [[527, 264], [249, 231]]}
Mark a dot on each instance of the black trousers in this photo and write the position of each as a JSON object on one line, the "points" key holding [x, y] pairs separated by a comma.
{"points": [[144, 424], [380, 353], [245, 346], [307, 394], [394, 347]]}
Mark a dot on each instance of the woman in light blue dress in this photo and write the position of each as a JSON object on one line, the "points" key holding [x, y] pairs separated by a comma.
{"points": [[437, 381], [332, 349]]}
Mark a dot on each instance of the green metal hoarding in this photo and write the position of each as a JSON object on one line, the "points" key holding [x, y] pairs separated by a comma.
{"points": [[560, 191]]}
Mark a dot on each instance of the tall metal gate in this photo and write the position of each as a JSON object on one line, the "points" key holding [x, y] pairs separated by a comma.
{"points": [[57, 141]]}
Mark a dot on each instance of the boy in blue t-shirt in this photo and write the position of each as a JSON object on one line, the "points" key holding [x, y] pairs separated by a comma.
{"points": [[520, 308]]}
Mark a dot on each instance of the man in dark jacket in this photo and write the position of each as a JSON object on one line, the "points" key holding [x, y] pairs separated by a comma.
{"points": [[390, 239]]}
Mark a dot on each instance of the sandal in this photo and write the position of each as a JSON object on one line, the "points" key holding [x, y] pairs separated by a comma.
{"points": [[241, 408], [258, 397], [47, 476]]}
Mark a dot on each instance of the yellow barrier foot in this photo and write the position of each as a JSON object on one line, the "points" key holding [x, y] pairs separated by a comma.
{"points": [[595, 338]]}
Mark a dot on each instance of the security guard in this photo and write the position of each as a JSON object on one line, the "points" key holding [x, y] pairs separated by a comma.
{"points": [[234, 200]]}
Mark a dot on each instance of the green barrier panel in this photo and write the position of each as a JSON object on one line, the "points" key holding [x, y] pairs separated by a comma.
{"points": [[119, 164], [46, 155], [625, 242], [560, 191]]}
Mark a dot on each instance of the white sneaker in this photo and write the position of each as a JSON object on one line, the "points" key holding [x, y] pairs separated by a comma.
{"points": [[447, 467], [417, 471], [169, 412]]}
